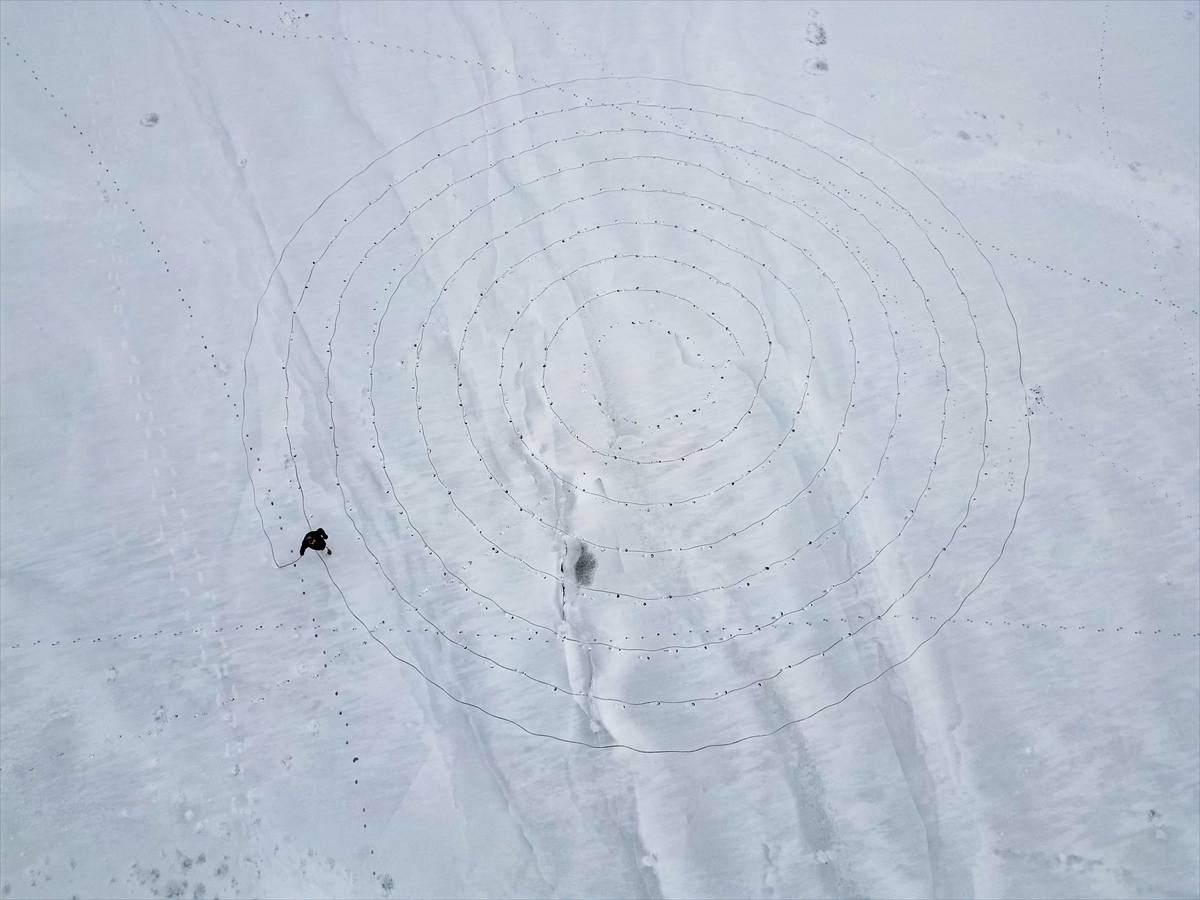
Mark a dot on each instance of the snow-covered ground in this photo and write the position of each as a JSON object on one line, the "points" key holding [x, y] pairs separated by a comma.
{"points": [[759, 446]]}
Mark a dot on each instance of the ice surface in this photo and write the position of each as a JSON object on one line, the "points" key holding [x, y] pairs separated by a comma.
{"points": [[758, 443]]}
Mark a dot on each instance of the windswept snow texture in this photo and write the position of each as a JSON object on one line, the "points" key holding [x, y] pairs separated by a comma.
{"points": [[758, 447]]}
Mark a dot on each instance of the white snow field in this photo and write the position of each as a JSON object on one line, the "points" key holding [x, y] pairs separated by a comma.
{"points": [[759, 446]]}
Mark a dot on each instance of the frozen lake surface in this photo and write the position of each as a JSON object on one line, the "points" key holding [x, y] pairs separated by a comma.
{"points": [[759, 447]]}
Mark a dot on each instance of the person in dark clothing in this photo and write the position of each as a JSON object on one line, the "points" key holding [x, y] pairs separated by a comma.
{"points": [[316, 540]]}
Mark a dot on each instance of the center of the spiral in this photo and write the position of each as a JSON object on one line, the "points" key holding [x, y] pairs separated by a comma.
{"points": [[640, 371], [648, 373]]}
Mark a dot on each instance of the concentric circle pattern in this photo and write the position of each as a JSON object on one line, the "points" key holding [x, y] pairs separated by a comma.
{"points": [[636, 410]]}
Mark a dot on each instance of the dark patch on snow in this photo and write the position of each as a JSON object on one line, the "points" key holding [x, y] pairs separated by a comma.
{"points": [[149, 120], [585, 566]]}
